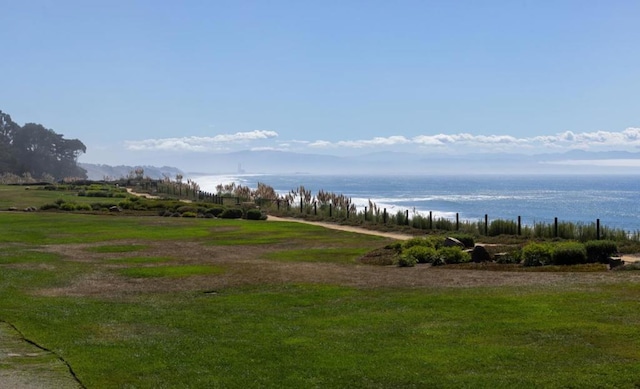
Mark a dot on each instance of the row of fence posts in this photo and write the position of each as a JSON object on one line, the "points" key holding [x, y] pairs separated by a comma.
{"points": [[216, 199], [406, 219]]}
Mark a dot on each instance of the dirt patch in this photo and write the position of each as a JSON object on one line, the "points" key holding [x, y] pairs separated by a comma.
{"points": [[244, 265]]}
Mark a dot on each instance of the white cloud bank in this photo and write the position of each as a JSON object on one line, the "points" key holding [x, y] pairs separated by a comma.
{"points": [[600, 140], [627, 140], [199, 143]]}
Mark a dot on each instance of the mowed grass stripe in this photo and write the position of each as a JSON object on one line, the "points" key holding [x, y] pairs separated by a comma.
{"points": [[303, 335]]}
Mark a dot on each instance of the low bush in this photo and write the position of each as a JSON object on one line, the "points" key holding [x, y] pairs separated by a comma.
{"points": [[537, 254], [68, 206], [406, 260], [600, 250], [407, 244], [49, 206], [187, 208], [396, 246], [422, 254], [189, 214], [101, 206], [254, 214], [509, 257], [231, 213], [214, 211], [451, 255], [569, 253], [98, 193]]}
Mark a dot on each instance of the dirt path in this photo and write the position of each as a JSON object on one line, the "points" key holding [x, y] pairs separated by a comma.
{"points": [[333, 226]]}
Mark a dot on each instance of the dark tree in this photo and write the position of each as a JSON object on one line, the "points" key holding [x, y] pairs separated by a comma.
{"points": [[37, 150], [8, 129]]}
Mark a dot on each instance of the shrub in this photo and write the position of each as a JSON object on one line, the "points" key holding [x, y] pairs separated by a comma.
{"points": [[186, 208], [83, 207], [415, 242], [254, 214], [99, 206], [405, 260], [214, 211], [537, 254], [465, 239], [68, 207], [49, 206], [569, 253], [600, 250], [451, 255], [231, 213], [438, 262], [189, 214], [422, 254], [436, 241], [509, 257], [396, 246], [98, 193]]}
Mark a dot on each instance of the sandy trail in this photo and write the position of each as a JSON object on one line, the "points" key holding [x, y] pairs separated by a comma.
{"points": [[393, 235], [333, 226]]}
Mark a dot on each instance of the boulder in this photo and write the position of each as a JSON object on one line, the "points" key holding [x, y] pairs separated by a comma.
{"points": [[615, 262], [480, 254], [114, 208], [453, 242]]}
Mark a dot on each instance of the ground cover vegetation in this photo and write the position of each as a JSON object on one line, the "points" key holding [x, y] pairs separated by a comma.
{"points": [[138, 301], [106, 197]]}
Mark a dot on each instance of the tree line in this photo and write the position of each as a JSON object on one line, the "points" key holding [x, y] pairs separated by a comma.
{"points": [[37, 151]]}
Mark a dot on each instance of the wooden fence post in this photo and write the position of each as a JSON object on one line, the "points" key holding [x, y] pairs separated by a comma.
{"points": [[384, 216], [555, 227], [597, 229], [486, 224], [430, 220], [519, 226], [406, 217], [457, 221], [365, 213]]}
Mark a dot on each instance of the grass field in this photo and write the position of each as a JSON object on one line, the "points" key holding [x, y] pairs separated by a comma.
{"points": [[150, 302]]}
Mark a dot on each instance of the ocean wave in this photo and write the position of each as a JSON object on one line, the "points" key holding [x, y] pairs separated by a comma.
{"points": [[208, 183]]}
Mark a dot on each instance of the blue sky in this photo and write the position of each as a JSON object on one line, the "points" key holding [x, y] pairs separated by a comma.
{"points": [[140, 80]]}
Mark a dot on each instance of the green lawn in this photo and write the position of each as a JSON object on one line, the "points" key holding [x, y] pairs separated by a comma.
{"points": [[296, 335]]}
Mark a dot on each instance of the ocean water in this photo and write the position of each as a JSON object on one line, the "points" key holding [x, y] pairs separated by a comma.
{"points": [[615, 199]]}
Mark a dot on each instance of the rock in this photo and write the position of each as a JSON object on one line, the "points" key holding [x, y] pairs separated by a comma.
{"points": [[615, 262], [453, 242], [13, 208], [480, 254], [114, 208]]}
